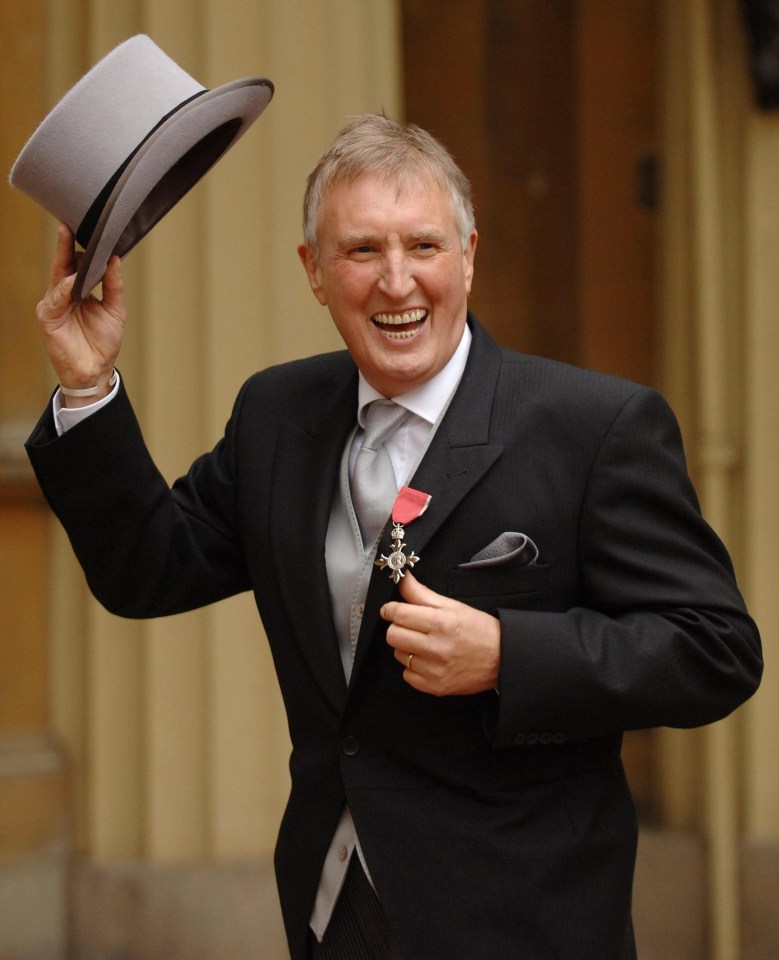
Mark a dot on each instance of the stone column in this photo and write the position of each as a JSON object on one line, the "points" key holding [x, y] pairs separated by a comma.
{"points": [[720, 199], [34, 834]]}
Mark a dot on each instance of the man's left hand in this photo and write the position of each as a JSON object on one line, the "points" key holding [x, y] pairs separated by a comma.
{"points": [[454, 648]]}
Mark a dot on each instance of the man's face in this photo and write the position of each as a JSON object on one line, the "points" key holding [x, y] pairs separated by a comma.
{"points": [[394, 275]]}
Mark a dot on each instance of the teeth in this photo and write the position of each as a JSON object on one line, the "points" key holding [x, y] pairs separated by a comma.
{"points": [[397, 319], [400, 334]]}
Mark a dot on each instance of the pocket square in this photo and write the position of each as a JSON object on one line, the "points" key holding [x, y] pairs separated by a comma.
{"points": [[509, 547]]}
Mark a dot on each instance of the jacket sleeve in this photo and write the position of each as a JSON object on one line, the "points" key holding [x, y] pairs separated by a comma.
{"points": [[147, 550], [662, 636]]}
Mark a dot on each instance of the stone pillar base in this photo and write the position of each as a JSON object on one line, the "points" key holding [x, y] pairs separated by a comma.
{"points": [[34, 848]]}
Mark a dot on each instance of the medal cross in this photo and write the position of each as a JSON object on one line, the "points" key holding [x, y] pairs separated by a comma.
{"points": [[398, 559]]}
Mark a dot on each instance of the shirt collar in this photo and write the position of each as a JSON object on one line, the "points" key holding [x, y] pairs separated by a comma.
{"points": [[428, 399]]}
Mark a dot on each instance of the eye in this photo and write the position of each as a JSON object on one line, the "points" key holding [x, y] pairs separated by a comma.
{"points": [[362, 251]]}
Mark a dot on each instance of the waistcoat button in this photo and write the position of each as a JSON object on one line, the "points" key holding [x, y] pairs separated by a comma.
{"points": [[350, 746]]}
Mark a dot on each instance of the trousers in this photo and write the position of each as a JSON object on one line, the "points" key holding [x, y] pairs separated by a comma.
{"points": [[358, 928]]}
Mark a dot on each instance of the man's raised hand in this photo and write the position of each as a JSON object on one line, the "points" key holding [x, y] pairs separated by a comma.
{"points": [[82, 337]]}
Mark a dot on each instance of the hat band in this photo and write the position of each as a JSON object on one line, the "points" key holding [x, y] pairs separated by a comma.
{"points": [[87, 226]]}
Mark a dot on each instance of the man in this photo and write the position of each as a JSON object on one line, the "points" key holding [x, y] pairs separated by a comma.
{"points": [[457, 790]]}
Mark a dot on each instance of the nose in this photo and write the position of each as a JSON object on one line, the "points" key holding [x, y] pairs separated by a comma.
{"points": [[396, 277]]}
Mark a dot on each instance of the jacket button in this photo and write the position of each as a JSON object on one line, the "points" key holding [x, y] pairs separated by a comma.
{"points": [[351, 746]]}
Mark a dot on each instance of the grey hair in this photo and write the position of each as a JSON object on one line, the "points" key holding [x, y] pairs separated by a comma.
{"points": [[400, 152]]}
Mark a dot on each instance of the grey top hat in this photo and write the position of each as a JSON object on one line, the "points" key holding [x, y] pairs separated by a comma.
{"points": [[126, 143]]}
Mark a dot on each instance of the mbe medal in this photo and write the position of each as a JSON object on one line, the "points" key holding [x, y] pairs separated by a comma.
{"points": [[409, 504]]}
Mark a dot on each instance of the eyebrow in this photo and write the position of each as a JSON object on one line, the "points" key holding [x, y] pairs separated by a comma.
{"points": [[362, 239], [431, 234], [356, 240]]}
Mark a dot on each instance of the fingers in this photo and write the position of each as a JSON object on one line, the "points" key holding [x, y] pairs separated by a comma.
{"points": [[420, 601], [56, 302], [113, 287], [414, 622], [417, 593], [454, 648], [64, 262], [405, 641], [64, 267], [62, 276]]}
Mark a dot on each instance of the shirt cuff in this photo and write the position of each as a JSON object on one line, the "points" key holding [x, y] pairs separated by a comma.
{"points": [[67, 417]]}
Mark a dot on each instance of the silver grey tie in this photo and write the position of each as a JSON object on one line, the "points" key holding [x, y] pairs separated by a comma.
{"points": [[373, 479]]}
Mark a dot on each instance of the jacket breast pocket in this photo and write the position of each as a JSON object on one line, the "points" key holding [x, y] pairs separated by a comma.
{"points": [[487, 588]]}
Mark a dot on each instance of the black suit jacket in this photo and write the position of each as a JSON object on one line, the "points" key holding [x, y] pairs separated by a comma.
{"points": [[495, 826]]}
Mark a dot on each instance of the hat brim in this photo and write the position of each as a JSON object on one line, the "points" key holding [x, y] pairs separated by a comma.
{"points": [[168, 164]]}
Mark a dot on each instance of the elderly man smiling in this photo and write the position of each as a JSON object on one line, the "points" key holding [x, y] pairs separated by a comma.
{"points": [[457, 790]]}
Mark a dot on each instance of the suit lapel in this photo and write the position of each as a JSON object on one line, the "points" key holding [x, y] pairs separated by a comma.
{"points": [[304, 483], [458, 457]]}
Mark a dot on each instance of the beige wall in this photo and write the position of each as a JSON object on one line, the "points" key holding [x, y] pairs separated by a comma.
{"points": [[175, 728], [761, 343], [719, 297]]}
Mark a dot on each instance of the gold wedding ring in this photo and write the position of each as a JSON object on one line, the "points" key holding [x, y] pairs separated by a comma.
{"points": [[408, 662]]}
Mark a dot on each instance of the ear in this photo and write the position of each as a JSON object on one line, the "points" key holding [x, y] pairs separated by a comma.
{"points": [[468, 257], [313, 272]]}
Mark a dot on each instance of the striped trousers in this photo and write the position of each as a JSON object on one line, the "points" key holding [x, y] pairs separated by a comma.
{"points": [[358, 928]]}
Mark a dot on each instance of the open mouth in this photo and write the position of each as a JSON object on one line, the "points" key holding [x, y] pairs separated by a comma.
{"points": [[400, 326]]}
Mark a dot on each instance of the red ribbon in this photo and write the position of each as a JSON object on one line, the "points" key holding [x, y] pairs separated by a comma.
{"points": [[409, 504]]}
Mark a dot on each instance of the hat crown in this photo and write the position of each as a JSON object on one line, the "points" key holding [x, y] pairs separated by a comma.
{"points": [[126, 143], [103, 117]]}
